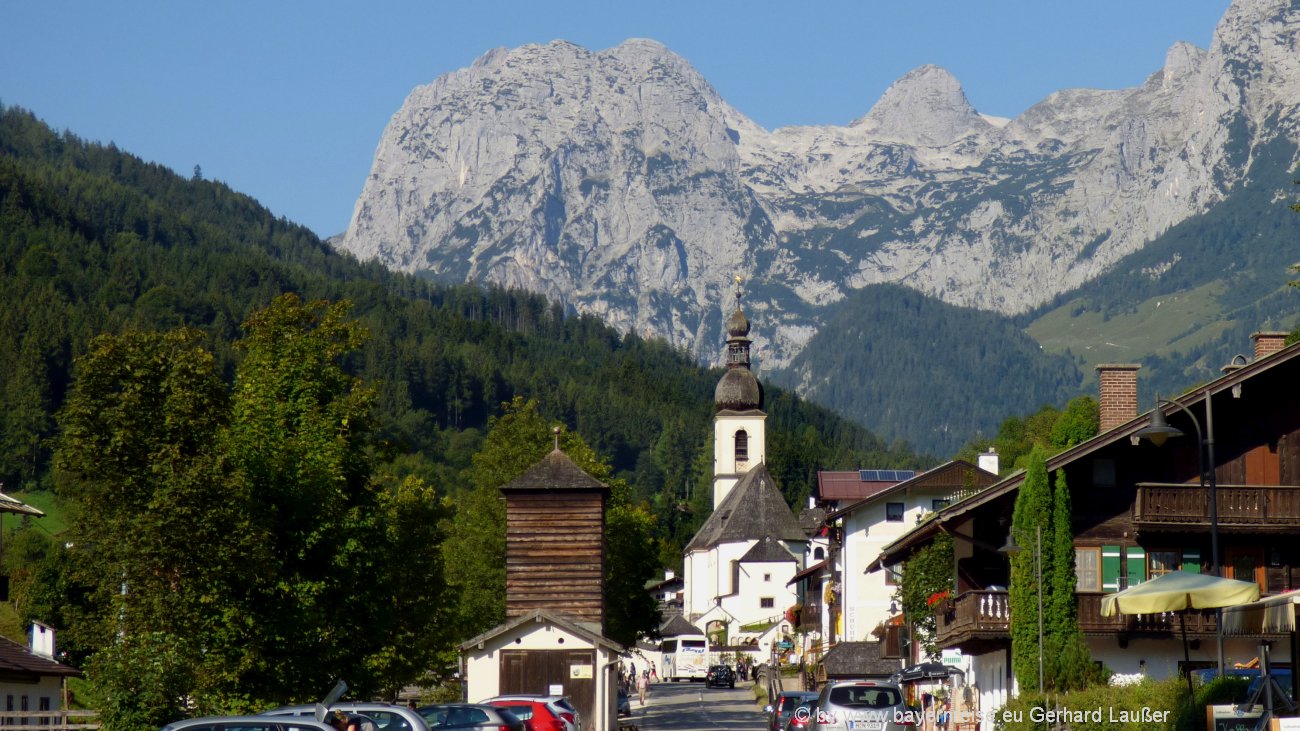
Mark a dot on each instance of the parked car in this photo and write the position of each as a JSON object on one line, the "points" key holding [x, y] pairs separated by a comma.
{"points": [[720, 675], [801, 715], [535, 714], [624, 703], [782, 707], [451, 716], [385, 716], [1283, 678], [248, 723], [862, 705], [557, 704]]}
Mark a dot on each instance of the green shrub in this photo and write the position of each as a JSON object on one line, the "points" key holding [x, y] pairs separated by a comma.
{"points": [[1152, 705]]}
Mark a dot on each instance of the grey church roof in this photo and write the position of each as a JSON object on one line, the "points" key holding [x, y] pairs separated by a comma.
{"points": [[767, 550], [752, 511], [555, 472], [678, 625]]}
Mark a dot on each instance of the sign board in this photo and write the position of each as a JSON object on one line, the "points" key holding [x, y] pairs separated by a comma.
{"points": [[579, 672], [784, 645], [951, 657], [1228, 718], [1285, 724], [555, 690]]}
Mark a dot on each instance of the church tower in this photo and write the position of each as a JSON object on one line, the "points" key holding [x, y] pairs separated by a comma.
{"points": [[739, 428]]}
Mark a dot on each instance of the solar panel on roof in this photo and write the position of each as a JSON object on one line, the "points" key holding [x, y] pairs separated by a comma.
{"points": [[885, 475]]}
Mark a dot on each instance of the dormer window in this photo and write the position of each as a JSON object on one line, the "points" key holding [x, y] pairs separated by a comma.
{"points": [[742, 446]]}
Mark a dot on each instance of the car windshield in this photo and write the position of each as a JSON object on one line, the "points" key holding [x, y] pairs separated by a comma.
{"points": [[523, 713], [865, 696], [788, 709], [389, 721]]}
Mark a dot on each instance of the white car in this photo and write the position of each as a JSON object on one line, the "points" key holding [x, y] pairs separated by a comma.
{"points": [[248, 723], [387, 716]]}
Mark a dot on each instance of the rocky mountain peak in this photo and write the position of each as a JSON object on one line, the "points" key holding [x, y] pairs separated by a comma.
{"points": [[1182, 62], [620, 183], [926, 107]]}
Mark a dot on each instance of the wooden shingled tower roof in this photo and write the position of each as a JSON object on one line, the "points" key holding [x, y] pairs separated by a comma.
{"points": [[555, 472]]}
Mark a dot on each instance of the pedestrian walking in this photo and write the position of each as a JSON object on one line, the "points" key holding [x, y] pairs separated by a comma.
{"points": [[643, 685], [654, 673]]}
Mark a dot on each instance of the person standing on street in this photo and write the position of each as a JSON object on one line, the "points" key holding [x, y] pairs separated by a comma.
{"points": [[643, 685]]}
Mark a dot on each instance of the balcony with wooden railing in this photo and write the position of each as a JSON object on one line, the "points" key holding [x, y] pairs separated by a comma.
{"points": [[986, 615], [1259, 508]]}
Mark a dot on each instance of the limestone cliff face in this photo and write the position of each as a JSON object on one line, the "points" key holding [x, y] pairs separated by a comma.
{"points": [[620, 183]]}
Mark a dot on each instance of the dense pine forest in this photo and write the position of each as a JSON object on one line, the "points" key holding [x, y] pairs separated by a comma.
{"points": [[94, 240]]}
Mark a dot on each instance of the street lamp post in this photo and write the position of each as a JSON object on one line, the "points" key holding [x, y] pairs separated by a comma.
{"points": [[1011, 549], [1157, 432]]}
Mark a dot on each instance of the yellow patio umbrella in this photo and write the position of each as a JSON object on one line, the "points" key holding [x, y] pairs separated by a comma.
{"points": [[1178, 591]]}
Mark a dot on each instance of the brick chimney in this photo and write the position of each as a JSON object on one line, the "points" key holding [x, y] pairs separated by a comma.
{"points": [[1267, 343], [1117, 385]]}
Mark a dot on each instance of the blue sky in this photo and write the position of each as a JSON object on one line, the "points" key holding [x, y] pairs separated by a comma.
{"points": [[286, 101]]}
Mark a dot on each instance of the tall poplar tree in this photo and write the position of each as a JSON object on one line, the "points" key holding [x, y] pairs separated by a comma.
{"points": [[1032, 513], [1044, 504]]}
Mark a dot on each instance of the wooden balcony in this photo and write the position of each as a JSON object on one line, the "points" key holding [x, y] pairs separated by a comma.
{"points": [[1182, 507], [979, 616]]}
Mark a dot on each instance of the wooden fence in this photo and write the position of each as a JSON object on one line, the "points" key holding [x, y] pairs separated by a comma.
{"points": [[49, 720]]}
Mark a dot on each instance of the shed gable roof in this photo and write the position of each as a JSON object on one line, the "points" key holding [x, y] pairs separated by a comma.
{"points": [[858, 659], [584, 630]]}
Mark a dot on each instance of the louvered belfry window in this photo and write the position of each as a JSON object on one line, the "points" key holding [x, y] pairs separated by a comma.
{"points": [[742, 446]]}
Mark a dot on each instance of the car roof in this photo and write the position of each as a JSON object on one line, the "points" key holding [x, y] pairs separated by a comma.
{"points": [[528, 696], [252, 720], [378, 705]]}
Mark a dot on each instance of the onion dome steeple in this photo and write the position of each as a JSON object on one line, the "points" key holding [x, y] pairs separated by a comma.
{"points": [[738, 390]]}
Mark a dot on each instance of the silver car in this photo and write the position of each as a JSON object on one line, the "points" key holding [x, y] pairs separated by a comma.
{"points": [[248, 723], [387, 716], [862, 705]]}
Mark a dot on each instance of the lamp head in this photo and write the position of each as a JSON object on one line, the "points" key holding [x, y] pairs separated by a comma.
{"points": [[1010, 548], [1158, 431]]}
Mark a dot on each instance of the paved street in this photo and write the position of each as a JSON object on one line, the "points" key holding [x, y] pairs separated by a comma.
{"points": [[689, 706]]}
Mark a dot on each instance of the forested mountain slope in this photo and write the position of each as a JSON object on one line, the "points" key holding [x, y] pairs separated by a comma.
{"points": [[930, 372], [94, 240]]}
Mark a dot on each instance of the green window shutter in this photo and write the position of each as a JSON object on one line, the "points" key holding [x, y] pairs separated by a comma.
{"points": [[1136, 559], [1192, 560], [1110, 568]]}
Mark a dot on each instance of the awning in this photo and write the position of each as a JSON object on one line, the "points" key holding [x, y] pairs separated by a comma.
{"points": [[925, 671], [1271, 615]]}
